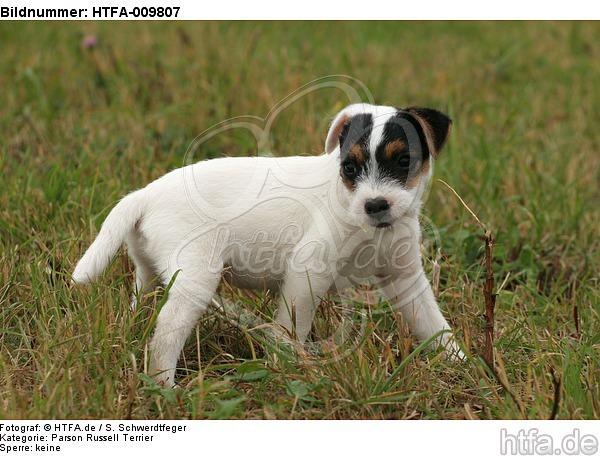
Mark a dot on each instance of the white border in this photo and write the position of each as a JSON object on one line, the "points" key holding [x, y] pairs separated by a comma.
{"points": [[346, 10], [264, 438]]}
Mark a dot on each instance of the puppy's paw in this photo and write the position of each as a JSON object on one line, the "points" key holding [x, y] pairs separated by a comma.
{"points": [[452, 352], [281, 338], [162, 377]]}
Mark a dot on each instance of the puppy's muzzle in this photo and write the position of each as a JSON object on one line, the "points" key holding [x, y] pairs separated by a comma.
{"points": [[378, 210]]}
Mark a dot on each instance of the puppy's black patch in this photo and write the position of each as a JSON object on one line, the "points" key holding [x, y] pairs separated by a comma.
{"points": [[403, 149], [354, 149]]}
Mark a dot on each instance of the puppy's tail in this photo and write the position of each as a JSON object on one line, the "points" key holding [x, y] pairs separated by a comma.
{"points": [[119, 223]]}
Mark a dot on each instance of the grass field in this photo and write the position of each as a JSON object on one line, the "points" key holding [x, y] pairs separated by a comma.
{"points": [[81, 127]]}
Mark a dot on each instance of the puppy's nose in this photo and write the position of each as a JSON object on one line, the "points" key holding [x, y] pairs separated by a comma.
{"points": [[376, 207]]}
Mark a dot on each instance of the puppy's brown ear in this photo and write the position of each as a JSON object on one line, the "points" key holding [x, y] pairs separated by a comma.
{"points": [[335, 130], [436, 125], [336, 133]]}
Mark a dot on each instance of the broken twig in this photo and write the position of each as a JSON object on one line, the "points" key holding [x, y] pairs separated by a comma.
{"points": [[488, 291]]}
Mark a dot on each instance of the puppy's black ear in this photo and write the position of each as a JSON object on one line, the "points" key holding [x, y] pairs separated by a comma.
{"points": [[436, 124]]}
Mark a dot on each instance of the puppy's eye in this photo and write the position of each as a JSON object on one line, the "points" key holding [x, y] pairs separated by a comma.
{"points": [[350, 169], [404, 161]]}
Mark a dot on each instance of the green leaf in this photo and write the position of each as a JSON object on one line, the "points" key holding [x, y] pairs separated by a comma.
{"points": [[225, 408]]}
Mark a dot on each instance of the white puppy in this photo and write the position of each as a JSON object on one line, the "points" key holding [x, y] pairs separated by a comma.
{"points": [[301, 226]]}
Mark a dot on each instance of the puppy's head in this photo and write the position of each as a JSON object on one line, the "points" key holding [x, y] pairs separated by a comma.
{"points": [[385, 157]]}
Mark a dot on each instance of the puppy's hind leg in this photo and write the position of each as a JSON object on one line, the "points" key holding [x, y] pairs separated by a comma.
{"points": [[187, 301], [146, 277]]}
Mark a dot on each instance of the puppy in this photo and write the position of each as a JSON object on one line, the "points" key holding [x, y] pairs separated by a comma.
{"points": [[301, 226]]}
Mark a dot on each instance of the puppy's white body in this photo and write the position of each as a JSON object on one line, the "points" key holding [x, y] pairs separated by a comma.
{"points": [[287, 224]]}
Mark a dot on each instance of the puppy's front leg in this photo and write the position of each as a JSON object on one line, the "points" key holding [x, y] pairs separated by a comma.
{"points": [[413, 297], [298, 302]]}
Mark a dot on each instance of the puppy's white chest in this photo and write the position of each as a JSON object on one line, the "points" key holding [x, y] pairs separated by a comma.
{"points": [[379, 254], [320, 252]]}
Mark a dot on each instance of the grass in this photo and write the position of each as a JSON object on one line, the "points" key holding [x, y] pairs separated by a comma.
{"points": [[82, 127]]}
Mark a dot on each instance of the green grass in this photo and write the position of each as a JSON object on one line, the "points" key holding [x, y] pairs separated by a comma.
{"points": [[82, 127]]}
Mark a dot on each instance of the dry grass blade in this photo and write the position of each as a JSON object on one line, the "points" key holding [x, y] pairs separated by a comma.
{"points": [[488, 292]]}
